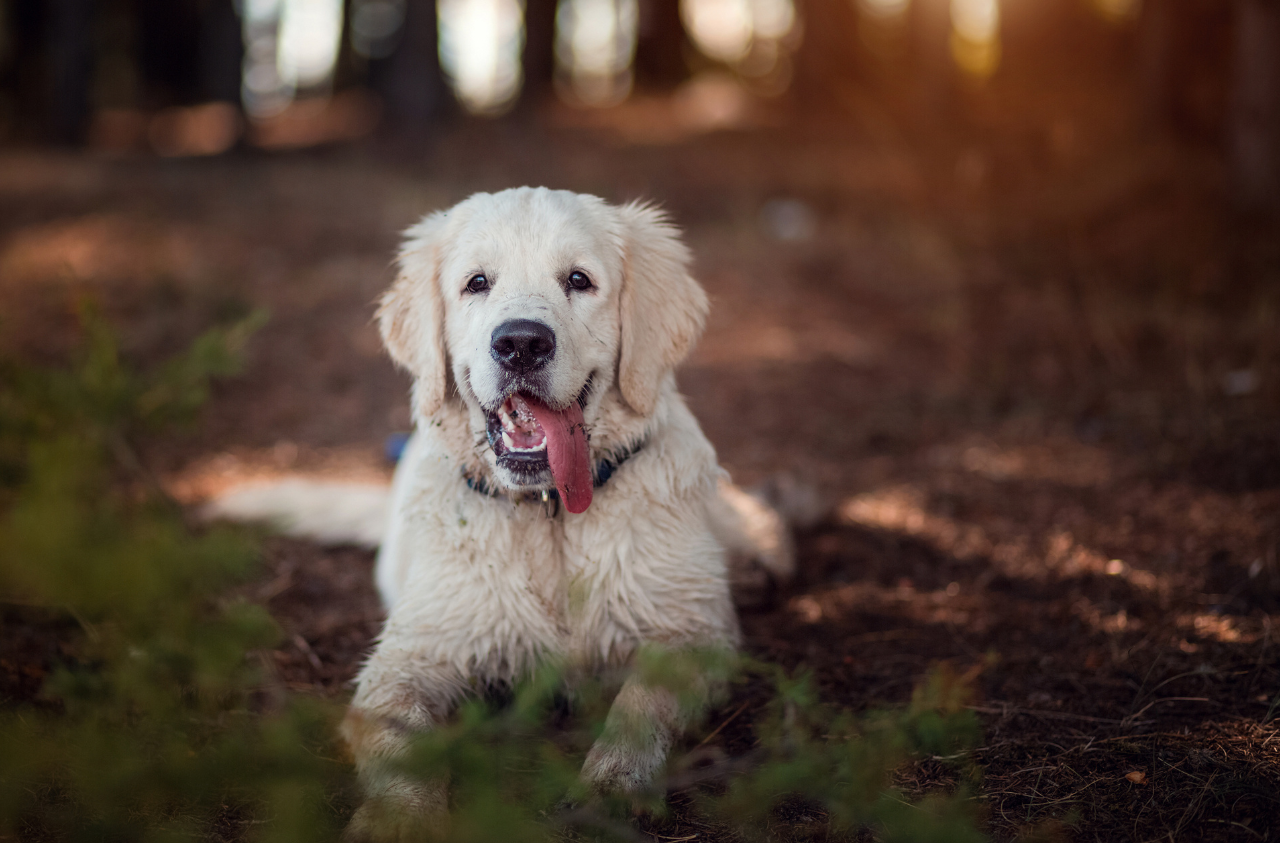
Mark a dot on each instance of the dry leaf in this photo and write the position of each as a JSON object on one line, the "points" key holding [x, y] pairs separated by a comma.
{"points": [[1137, 777]]}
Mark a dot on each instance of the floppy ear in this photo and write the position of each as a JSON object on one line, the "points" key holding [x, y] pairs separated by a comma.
{"points": [[663, 310], [411, 314]]}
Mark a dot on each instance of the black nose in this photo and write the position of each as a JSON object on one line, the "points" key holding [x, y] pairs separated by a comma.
{"points": [[522, 345]]}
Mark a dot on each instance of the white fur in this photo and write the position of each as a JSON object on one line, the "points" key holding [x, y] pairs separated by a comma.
{"points": [[328, 512], [343, 512], [483, 588]]}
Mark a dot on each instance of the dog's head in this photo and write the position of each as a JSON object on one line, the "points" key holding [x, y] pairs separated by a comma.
{"points": [[535, 308]]}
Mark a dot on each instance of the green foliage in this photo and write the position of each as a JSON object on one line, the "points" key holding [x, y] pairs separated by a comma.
{"points": [[511, 778], [155, 726], [846, 763], [162, 722]]}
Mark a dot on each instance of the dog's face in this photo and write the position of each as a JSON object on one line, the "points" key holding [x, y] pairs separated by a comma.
{"points": [[534, 308]]}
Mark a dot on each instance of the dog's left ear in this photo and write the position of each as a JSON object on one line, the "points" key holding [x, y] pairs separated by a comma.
{"points": [[411, 314], [663, 310]]}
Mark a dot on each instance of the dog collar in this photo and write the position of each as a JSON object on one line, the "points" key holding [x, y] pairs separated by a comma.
{"points": [[550, 498]]}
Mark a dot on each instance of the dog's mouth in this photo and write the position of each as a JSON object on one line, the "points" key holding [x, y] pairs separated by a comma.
{"points": [[518, 428], [529, 437]]}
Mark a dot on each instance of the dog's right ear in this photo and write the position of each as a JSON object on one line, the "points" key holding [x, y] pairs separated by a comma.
{"points": [[411, 314]]}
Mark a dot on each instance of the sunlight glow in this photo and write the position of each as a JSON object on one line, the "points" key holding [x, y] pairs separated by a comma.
{"points": [[975, 36], [884, 9], [595, 43], [262, 89], [208, 129], [772, 19], [480, 46], [1118, 11], [975, 20], [882, 27], [310, 31], [728, 30], [721, 28], [289, 44]]}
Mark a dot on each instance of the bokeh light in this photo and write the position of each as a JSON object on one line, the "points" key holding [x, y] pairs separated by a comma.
{"points": [[290, 45], [310, 31], [747, 35], [480, 46], [375, 26], [884, 9], [263, 90], [1118, 11], [975, 36], [882, 27], [595, 44], [721, 28]]}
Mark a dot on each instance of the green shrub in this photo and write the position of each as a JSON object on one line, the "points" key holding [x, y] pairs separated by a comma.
{"points": [[510, 775], [161, 722], [154, 726]]}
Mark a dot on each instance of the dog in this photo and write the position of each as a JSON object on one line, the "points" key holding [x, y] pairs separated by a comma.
{"points": [[557, 499]]}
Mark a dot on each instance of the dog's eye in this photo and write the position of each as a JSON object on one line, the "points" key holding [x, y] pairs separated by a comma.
{"points": [[477, 284], [579, 281]]}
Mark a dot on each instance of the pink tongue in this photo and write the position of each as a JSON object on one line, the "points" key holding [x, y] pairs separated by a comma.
{"points": [[566, 452]]}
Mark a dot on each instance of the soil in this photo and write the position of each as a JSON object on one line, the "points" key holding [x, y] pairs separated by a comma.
{"points": [[1035, 393]]}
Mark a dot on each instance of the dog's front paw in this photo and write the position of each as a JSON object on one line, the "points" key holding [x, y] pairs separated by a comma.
{"points": [[401, 812], [625, 766]]}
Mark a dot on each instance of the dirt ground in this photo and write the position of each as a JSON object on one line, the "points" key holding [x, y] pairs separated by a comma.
{"points": [[1033, 380]]}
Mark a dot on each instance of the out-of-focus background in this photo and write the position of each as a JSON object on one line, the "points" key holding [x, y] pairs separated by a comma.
{"points": [[996, 306]]}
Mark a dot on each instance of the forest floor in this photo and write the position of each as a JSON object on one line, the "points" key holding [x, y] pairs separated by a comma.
{"points": [[1034, 385]]}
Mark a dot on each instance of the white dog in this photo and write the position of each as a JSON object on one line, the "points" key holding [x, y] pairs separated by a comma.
{"points": [[557, 500]]}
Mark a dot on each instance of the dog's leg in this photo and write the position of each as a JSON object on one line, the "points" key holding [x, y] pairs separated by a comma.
{"points": [[638, 733], [643, 724], [392, 704]]}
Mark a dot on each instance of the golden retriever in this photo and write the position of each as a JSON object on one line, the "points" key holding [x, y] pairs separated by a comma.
{"points": [[557, 499]]}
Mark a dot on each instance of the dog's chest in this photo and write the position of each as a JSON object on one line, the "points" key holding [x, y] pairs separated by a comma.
{"points": [[583, 598], [494, 585]]}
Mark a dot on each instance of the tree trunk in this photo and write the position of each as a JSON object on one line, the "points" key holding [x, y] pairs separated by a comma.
{"points": [[168, 49], [70, 68], [221, 51], [539, 60], [932, 66], [1253, 134], [415, 96], [827, 61], [661, 45], [23, 76], [1156, 71]]}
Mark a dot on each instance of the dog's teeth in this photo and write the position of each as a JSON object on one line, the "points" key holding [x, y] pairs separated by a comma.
{"points": [[511, 445]]}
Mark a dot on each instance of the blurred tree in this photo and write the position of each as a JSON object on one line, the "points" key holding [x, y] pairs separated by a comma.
{"points": [[168, 50], [1184, 52], [1157, 34], [539, 59], [827, 62], [413, 89], [661, 46], [21, 63], [932, 68], [1211, 72], [221, 51], [68, 27], [1253, 133]]}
